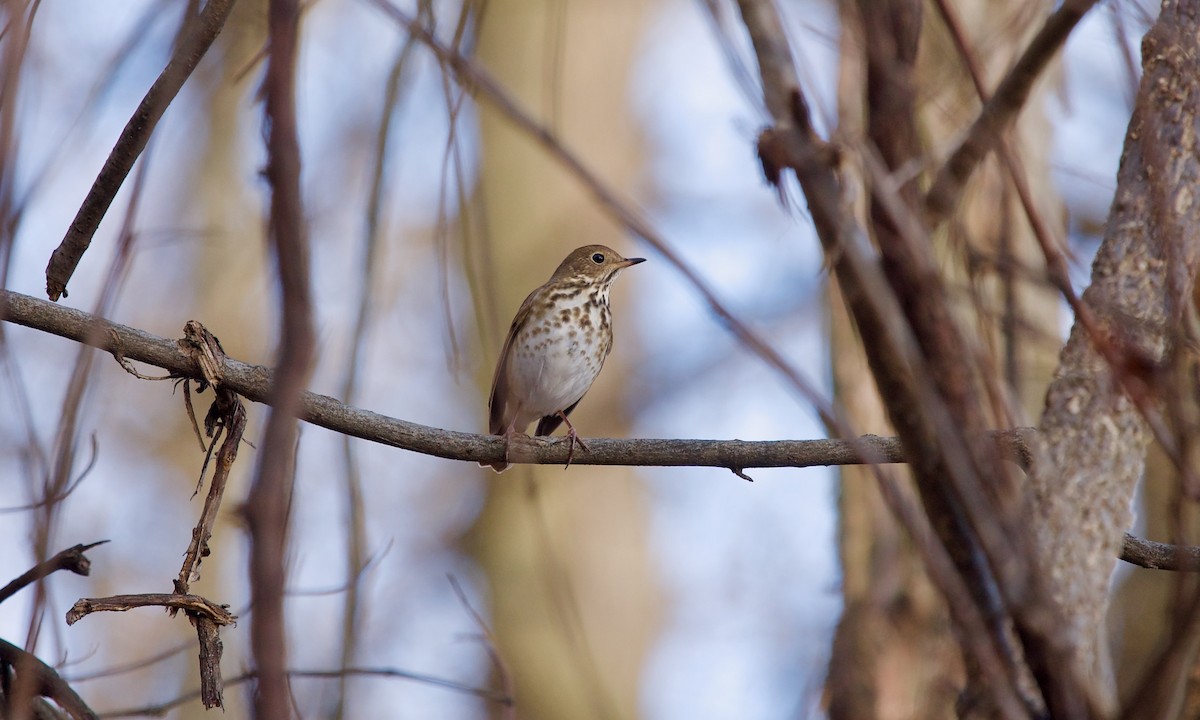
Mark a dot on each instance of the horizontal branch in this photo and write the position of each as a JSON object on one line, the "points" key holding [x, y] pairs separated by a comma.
{"points": [[254, 382], [1160, 556], [219, 614]]}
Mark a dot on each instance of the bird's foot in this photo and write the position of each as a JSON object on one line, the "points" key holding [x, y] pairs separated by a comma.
{"points": [[573, 437]]}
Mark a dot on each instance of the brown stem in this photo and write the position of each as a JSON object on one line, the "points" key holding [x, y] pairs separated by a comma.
{"points": [[267, 504], [47, 682], [121, 603], [1001, 110], [72, 559], [196, 37]]}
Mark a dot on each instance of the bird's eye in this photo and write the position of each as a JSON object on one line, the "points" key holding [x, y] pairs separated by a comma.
{"points": [[597, 258]]}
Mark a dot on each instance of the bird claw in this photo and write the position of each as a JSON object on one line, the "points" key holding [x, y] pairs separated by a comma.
{"points": [[572, 437]]}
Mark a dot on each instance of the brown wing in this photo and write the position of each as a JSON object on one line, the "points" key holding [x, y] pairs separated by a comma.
{"points": [[499, 414]]}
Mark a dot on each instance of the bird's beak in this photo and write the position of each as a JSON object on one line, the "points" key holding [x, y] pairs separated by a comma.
{"points": [[632, 261]]}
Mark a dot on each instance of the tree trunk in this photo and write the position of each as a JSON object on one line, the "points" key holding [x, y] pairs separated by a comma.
{"points": [[1094, 432]]}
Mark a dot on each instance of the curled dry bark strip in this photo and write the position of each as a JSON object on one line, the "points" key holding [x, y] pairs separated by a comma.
{"points": [[233, 423], [225, 415], [206, 349], [219, 614], [47, 684], [197, 36]]}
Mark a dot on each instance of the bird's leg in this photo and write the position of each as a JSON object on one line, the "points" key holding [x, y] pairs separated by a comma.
{"points": [[509, 433], [508, 436], [573, 437]]}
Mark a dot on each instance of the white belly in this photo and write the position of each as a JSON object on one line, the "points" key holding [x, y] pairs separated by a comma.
{"points": [[554, 363]]}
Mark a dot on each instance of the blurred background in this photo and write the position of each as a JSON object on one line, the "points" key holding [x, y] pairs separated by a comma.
{"points": [[607, 592]]}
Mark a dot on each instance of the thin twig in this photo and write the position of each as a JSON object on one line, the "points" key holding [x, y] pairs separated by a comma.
{"points": [[226, 415], [1160, 556], [506, 682], [72, 559], [198, 35], [163, 708], [484, 87], [66, 491], [1001, 110], [266, 508]]}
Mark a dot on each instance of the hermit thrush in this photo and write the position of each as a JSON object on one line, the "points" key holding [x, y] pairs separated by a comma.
{"points": [[555, 348]]}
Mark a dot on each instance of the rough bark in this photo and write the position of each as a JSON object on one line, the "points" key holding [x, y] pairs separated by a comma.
{"points": [[1094, 432]]}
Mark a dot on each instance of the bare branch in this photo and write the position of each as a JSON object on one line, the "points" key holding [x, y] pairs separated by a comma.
{"points": [[47, 682], [1160, 556], [211, 648], [72, 559], [1001, 110], [254, 383], [121, 603], [267, 504], [197, 36], [500, 698]]}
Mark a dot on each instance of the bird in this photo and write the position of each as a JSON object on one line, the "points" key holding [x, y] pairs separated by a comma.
{"points": [[555, 348]]}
